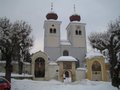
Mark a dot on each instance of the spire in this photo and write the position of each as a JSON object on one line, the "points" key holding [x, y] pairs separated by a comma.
{"points": [[74, 9], [51, 6]]}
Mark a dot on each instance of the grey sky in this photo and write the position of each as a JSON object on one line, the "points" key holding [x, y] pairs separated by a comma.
{"points": [[95, 13]]}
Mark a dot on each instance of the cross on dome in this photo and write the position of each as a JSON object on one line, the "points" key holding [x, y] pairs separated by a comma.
{"points": [[75, 17], [52, 15], [51, 6], [74, 9]]}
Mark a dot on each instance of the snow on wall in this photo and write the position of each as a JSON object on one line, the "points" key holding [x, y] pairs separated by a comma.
{"points": [[52, 63], [16, 75]]}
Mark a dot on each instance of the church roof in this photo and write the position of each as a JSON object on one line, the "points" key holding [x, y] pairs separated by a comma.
{"points": [[52, 15], [66, 58]]}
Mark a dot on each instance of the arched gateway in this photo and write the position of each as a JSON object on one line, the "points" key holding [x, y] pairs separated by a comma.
{"points": [[40, 66], [96, 71], [67, 68]]}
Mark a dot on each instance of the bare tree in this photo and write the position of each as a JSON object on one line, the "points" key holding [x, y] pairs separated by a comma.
{"points": [[109, 40]]}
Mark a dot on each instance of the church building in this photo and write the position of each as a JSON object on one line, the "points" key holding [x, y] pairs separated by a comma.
{"points": [[64, 59]]}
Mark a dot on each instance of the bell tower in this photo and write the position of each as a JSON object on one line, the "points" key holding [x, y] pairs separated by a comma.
{"points": [[76, 31], [76, 35], [52, 34]]}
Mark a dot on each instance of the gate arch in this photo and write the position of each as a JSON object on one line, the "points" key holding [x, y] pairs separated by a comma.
{"points": [[96, 71], [39, 67]]}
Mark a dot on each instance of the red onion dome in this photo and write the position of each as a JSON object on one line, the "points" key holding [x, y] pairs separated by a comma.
{"points": [[75, 17], [52, 15]]}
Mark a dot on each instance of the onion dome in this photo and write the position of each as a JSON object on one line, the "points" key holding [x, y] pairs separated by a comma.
{"points": [[75, 17], [52, 15]]}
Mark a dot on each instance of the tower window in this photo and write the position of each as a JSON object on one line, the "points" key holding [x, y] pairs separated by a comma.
{"points": [[51, 30], [54, 30], [65, 53], [80, 32], [76, 32]]}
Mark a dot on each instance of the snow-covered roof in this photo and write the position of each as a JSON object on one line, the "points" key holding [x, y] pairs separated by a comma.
{"points": [[65, 42], [66, 58], [92, 54]]}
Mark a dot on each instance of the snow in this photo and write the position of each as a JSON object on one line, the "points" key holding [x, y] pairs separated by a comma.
{"points": [[83, 69], [92, 54], [66, 58], [16, 75], [56, 85], [2, 61], [65, 42], [118, 56], [52, 63], [16, 62]]}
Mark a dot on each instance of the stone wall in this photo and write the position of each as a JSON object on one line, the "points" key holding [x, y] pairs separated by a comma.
{"points": [[80, 74], [53, 71], [26, 67]]}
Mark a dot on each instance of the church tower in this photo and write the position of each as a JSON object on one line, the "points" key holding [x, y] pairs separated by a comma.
{"points": [[76, 31], [76, 35], [52, 35]]}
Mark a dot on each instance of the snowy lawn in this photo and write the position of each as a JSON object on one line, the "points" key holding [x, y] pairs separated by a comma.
{"points": [[56, 85]]}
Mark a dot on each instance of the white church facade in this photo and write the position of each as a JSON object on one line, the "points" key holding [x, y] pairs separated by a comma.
{"points": [[64, 59]]}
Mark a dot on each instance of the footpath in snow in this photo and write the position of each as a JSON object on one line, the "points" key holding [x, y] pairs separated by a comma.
{"points": [[56, 85]]}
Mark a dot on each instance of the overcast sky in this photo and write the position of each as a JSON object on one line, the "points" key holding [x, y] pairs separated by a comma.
{"points": [[95, 13]]}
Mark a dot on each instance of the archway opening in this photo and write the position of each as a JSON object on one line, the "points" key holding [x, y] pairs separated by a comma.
{"points": [[96, 71], [67, 74], [65, 53], [39, 67]]}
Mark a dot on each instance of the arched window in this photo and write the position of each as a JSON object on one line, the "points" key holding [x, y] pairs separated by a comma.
{"points": [[67, 74], [39, 67], [51, 30], [80, 33], [76, 32], [65, 53], [96, 66], [54, 30]]}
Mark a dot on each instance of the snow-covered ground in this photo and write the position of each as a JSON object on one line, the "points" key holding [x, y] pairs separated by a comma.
{"points": [[56, 85]]}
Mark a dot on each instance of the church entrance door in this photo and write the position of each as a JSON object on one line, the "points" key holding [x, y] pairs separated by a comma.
{"points": [[67, 76]]}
